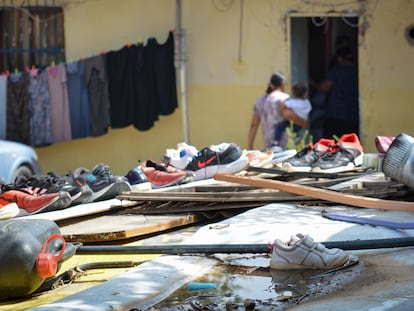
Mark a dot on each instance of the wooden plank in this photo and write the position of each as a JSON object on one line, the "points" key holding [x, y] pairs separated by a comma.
{"points": [[81, 210], [204, 196], [121, 227], [323, 194]]}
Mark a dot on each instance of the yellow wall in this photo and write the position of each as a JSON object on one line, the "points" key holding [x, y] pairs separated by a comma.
{"points": [[226, 74]]}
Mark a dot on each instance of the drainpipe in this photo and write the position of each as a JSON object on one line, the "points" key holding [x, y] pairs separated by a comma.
{"points": [[180, 60]]}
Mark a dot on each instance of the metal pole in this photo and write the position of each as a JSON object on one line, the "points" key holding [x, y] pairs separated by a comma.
{"points": [[237, 248], [180, 60]]}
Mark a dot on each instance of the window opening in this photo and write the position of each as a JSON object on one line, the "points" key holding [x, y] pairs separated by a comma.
{"points": [[31, 34]]}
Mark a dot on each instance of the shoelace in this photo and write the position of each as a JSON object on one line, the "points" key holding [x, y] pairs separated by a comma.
{"points": [[101, 171], [332, 152], [304, 151]]}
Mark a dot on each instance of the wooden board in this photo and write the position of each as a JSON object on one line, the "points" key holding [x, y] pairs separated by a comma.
{"points": [[323, 194], [231, 196], [80, 210], [121, 227]]}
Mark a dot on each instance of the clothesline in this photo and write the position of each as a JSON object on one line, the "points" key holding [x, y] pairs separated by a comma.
{"points": [[129, 86]]}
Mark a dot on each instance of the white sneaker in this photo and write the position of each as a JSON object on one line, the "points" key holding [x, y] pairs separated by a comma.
{"points": [[9, 211], [180, 157], [301, 252]]}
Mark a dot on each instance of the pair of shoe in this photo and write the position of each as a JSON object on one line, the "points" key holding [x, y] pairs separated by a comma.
{"points": [[328, 156], [161, 174], [99, 184], [225, 158], [30, 203], [302, 252]]}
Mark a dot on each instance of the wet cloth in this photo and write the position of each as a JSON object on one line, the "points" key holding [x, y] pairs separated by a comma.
{"points": [[97, 84], [59, 104], [78, 99], [18, 116], [39, 107]]}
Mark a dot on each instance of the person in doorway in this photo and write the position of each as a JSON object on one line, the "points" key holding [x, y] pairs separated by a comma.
{"points": [[342, 104], [300, 105], [341, 41], [266, 112]]}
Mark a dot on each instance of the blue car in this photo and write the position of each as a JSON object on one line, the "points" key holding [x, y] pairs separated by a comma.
{"points": [[17, 159]]}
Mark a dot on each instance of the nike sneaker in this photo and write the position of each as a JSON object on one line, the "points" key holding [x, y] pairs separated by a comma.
{"points": [[225, 158]]}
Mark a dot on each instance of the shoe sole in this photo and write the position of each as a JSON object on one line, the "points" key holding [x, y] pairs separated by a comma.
{"points": [[279, 157], [280, 265], [8, 211], [231, 168], [288, 167], [84, 197], [358, 162], [113, 190], [58, 203]]}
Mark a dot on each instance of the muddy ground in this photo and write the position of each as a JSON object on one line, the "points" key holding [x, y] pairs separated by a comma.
{"points": [[250, 288]]}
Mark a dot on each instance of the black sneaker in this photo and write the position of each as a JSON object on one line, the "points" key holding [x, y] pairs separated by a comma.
{"points": [[226, 158], [136, 175], [50, 183], [85, 191], [304, 159], [103, 184]]}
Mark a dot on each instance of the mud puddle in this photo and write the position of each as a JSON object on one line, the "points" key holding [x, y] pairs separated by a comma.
{"points": [[252, 288]]}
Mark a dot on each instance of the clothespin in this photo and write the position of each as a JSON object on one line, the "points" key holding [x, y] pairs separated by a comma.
{"points": [[103, 53], [16, 70], [53, 63], [7, 72], [27, 69], [128, 45], [33, 71]]}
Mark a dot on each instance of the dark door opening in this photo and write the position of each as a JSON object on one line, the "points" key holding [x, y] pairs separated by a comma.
{"points": [[312, 48]]}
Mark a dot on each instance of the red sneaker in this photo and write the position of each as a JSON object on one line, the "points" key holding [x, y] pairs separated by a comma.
{"points": [[304, 159], [160, 175], [344, 156], [32, 204]]}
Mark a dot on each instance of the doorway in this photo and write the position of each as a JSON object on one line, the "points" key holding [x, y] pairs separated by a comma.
{"points": [[312, 45]]}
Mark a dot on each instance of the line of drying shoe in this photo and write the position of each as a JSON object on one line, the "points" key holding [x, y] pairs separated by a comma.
{"points": [[51, 192], [182, 165], [186, 164]]}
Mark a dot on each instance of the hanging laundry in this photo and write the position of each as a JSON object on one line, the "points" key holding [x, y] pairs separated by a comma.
{"points": [[160, 60], [97, 84], [144, 113], [59, 104], [121, 72], [18, 115], [78, 99], [39, 108]]}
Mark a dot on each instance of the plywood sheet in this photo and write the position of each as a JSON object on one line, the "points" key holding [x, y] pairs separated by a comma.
{"points": [[120, 227]]}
